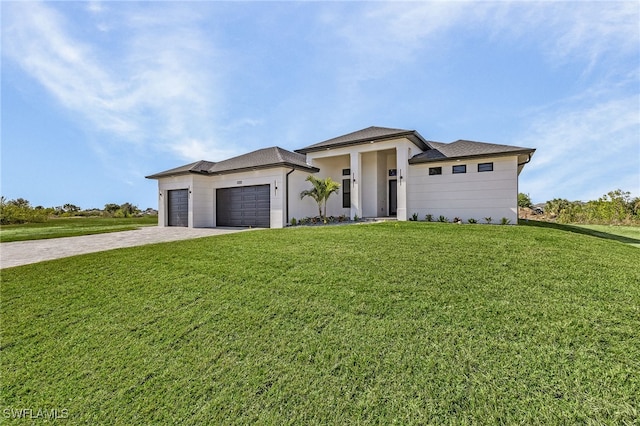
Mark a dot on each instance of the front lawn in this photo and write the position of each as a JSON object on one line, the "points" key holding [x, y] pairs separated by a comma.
{"points": [[406, 323], [72, 227]]}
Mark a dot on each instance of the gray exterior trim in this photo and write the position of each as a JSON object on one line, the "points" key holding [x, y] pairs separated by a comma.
{"points": [[266, 158], [417, 160], [464, 149], [368, 135]]}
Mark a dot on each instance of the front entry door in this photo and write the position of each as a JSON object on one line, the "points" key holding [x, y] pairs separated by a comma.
{"points": [[393, 197]]}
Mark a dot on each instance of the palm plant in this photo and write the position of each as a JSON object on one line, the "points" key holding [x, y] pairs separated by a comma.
{"points": [[321, 191]]}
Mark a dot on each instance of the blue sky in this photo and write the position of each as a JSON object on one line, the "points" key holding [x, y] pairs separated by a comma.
{"points": [[96, 95]]}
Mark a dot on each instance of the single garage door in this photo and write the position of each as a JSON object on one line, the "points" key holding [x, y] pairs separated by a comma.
{"points": [[244, 206], [178, 207]]}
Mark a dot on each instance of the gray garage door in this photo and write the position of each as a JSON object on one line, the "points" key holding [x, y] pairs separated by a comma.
{"points": [[178, 207], [244, 206]]}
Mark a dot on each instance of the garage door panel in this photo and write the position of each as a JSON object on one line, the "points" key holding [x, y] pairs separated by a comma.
{"points": [[178, 207], [244, 206]]}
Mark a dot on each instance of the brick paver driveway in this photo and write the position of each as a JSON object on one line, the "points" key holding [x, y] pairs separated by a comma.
{"points": [[24, 252]]}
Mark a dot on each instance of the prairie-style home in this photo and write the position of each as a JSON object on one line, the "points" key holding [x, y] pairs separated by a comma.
{"points": [[383, 172]]}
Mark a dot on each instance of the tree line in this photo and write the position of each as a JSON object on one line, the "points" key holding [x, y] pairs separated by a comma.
{"points": [[615, 208], [19, 211]]}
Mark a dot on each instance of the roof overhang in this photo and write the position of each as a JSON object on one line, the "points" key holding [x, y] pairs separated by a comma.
{"points": [[411, 135], [309, 169], [518, 153]]}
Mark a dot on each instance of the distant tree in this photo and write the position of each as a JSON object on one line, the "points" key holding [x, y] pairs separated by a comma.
{"points": [[111, 208], [20, 211], [129, 209], [20, 202], [635, 206], [524, 200]]}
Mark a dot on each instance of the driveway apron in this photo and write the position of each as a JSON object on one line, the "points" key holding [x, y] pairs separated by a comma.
{"points": [[25, 252]]}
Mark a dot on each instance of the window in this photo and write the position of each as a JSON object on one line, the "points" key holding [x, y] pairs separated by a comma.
{"points": [[460, 169], [393, 172], [435, 171], [485, 167], [346, 193], [346, 172]]}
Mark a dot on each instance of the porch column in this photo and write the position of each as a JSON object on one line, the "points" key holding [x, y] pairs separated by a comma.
{"points": [[356, 201], [402, 163]]}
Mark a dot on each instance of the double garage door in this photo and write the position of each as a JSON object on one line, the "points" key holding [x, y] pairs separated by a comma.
{"points": [[244, 206]]}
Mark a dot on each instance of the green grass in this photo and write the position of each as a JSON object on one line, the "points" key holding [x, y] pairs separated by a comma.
{"points": [[406, 323], [71, 227], [625, 234], [628, 234]]}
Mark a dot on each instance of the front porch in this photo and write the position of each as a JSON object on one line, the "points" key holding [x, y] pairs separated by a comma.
{"points": [[373, 181]]}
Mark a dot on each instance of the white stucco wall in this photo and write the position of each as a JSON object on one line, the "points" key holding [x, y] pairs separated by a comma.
{"points": [[366, 161], [369, 184], [298, 208], [470, 195], [202, 195], [467, 195], [168, 184], [307, 207]]}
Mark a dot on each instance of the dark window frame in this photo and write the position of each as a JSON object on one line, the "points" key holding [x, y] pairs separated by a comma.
{"points": [[346, 172], [346, 193], [435, 171], [459, 169], [485, 167]]}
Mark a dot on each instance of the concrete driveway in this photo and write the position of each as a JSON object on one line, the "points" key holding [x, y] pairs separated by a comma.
{"points": [[24, 252]]}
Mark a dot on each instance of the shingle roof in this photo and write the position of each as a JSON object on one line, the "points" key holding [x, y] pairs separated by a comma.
{"points": [[370, 134], [465, 149], [197, 167], [261, 159]]}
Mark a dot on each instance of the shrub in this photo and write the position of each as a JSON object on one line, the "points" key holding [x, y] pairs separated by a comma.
{"points": [[487, 219], [414, 217], [457, 220], [472, 220], [20, 211], [294, 222], [504, 221], [429, 217], [442, 219], [524, 200]]}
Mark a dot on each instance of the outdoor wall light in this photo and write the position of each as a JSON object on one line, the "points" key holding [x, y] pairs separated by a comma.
{"points": [[354, 178]]}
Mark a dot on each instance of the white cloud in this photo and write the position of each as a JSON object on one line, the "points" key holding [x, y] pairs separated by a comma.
{"points": [[194, 150], [385, 35], [157, 91], [580, 148], [95, 7]]}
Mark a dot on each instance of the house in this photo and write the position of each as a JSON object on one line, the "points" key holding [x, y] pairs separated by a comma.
{"points": [[382, 172]]}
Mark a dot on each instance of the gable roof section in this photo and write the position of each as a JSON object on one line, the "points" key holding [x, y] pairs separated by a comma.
{"points": [[466, 149], [265, 158], [197, 167], [368, 135]]}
